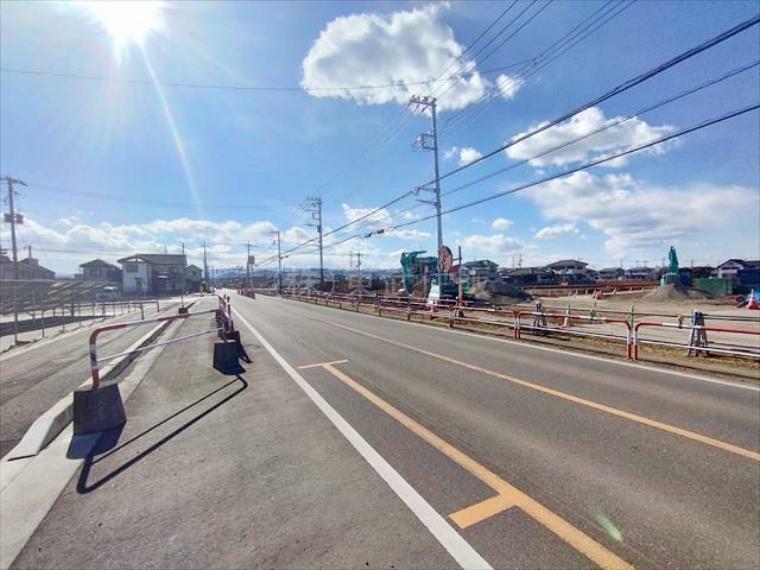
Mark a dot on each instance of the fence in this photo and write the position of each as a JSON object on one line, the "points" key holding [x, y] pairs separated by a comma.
{"points": [[537, 320]]}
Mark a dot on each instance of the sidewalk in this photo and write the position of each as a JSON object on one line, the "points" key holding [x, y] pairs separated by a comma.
{"points": [[228, 472]]}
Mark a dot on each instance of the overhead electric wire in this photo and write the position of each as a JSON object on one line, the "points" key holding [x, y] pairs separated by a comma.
{"points": [[625, 86], [590, 164], [621, 120], [723, 36], [159, 203], [534, 65], [704, 124]]}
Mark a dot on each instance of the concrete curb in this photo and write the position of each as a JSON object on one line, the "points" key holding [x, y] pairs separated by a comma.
{"points": [[47, 427]]}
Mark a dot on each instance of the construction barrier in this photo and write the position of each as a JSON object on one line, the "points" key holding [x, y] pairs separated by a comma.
{"points": [[698, 343], [100, 407], [578, 322]]}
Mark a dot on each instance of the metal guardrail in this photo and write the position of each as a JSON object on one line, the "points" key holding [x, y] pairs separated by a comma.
{"points": [[567, 321], [226, 325]]}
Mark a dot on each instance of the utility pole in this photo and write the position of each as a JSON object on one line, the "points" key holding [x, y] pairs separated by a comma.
{"points": [[279, 262], [424, 141], [359, 270], [14, 219], [248, 266], [315, 207], [205, 264]]}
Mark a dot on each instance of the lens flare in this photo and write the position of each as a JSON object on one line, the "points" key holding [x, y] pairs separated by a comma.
{"points": [[127, 22]]}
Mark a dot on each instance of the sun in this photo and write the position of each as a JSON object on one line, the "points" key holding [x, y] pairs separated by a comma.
{"points": [[127, 22]]}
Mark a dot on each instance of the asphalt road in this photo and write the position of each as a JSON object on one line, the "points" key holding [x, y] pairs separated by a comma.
{"points": [[34, 378], [537, 458], [648, 493]]}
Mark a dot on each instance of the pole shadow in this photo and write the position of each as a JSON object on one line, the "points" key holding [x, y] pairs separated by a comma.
{"points": [[108, 439]]}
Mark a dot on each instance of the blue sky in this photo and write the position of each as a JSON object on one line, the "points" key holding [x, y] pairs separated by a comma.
{"points": [[116, 167]]}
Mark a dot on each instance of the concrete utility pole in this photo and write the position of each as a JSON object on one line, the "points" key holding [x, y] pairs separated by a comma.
{"points": [[315, 207], [248, 266], [424, 139], [359, 270], [205, 264], [279, 262], [14, 219]]}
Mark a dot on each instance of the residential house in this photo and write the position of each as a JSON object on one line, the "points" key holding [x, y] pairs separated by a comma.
{"points": [[611, 273], [729, 268], [99, 270], [525, 276], [482, 270], [28, 268], [193, 278], [641, 273], [565, 267], [153, 273]]}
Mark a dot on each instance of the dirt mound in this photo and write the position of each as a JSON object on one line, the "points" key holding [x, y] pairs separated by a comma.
{"points": [[674, 292], [498, 293]]}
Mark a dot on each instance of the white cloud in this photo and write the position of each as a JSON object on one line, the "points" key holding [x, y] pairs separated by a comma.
{"points": [[556, 231], [501, 224], [408, 234], [376, 220], [615, 139], [468, 155], [450, 153], [508, 86], [494, 244], [377, 49], [635, 216]]}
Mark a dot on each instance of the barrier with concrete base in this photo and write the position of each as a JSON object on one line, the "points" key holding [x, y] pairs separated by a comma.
{"points": [[100, 408]]}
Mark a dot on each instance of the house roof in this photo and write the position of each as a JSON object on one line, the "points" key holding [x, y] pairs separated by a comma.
{"points": [[158, 258], [98, 263], [611, 269], [194, 267], [641, 269], [567, 263], [481, 263]]}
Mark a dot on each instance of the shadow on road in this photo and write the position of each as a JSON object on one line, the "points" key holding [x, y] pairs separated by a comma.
{"points": [[109, 439]]}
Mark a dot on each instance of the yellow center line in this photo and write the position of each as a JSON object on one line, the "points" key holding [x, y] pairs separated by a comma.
{"points": [[320, 364], [508, 495], [706, 440]]}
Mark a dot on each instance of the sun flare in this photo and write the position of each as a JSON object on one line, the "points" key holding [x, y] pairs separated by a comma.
{"points": [[127, 22]]}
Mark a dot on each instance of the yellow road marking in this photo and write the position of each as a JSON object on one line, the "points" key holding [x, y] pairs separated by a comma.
{"points": [[508, 495], [322, 364], [706, 440], [483, 510]]}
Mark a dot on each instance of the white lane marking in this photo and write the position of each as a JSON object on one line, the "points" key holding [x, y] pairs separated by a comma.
{"points": [[465, 555], [574, 354]]}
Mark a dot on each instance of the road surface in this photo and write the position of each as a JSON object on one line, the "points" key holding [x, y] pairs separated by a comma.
{"points": [[534, 458], [34, 378]]}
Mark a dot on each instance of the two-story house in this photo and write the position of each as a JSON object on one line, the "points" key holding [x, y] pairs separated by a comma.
{"points": [[154, 273], [99, 270]]}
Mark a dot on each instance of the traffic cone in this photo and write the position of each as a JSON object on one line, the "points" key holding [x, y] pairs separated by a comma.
{"points": [[752, 303]]}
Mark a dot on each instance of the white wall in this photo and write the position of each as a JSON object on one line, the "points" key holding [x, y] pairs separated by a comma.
{"points": [[129, 280]]}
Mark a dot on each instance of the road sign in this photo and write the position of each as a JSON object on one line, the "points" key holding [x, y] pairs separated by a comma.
{"points": [[445, 259], [251, 260], [19, 218]]}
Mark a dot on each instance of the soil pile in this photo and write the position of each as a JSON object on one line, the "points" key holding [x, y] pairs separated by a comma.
{"points": [[498, 293], [674, 292]]}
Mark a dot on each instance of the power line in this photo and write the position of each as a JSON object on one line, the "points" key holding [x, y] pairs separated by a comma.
{"points": [[704, 124], [610, 125], [231, 87], [534, 65], [587, 165], [160, 203], [608, 95], [626, 85]]}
